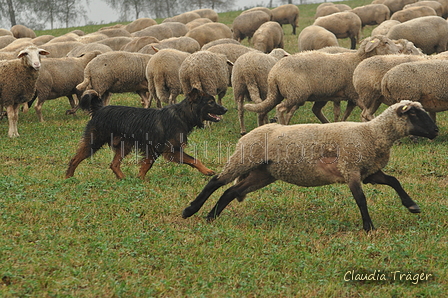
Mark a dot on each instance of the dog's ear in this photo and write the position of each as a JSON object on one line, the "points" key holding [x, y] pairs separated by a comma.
{"points": [[195, 94]]}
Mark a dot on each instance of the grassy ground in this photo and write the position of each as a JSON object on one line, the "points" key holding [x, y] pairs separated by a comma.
{"points": [[95, 236]]}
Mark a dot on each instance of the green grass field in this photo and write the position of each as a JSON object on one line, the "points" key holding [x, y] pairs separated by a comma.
{"points": [[95, 236]]}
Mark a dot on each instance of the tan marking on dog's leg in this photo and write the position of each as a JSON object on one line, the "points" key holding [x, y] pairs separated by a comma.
{"points": [[83, 152], [145, 167], [184, 158]]}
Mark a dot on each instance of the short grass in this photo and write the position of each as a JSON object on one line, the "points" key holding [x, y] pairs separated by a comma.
{"points": [[95, 236]]}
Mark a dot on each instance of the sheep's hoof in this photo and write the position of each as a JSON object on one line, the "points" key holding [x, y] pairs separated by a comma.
{"points": [[243, 133], [414, 209], [273, 120]]}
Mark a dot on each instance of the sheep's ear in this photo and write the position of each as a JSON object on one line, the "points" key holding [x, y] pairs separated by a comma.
{"points": [[403, 109], [155, 49], [229, 62], [372, 44], [21, 54], [43, 52]]}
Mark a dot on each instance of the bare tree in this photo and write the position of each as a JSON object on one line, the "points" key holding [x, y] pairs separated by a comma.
{"points": [[126, 7]]}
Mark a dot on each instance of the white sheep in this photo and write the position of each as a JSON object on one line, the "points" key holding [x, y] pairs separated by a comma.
{"points": [[317, 76], [162, 73], [316, 37], [413, 13], [249, 79], [268, 37], [384, 27], [209, 32], [312, 155], [59, 77], [246, 24], [286, 14], [205, 71], [422, 81], [117, 72], [342, 24], [18, 83]]}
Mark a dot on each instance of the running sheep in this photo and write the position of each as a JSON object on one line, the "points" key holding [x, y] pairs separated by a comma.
{"points": [[312, 155]]}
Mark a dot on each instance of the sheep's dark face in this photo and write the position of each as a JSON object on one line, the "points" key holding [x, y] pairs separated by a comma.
{"points": [[419, 122]]}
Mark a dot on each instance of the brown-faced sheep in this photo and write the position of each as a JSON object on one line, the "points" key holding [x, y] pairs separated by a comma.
{"points": [[286, 14], [313, 155], [205, 71], [268, 37], [58, 77], [342, 24], [316, 37], [209, 32], [139, 24], [162, 73], [319, 77], [422, 81], [430, 33], [250, 77], [18, 83], [117, 72], [412, 13], [246, 24], [21, 31]]}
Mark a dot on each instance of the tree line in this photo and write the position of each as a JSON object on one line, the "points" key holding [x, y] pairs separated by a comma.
{"points": [[40, 14]]}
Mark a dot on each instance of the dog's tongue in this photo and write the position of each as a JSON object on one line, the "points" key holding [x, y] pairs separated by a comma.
{"points": [[215, 116]]}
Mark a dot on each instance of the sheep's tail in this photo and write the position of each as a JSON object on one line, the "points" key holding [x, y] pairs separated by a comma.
{"points": [[90, 101], [262, 107], [84, 85]]}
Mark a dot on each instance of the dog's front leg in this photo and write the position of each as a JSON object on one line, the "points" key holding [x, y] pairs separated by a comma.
{"points": [[180, 156]]}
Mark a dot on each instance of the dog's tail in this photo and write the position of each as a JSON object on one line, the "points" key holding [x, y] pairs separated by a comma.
{"points": [[90, 101]]}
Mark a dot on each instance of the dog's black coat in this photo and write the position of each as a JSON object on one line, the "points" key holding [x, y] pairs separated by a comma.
{"points": [[153, 132]]}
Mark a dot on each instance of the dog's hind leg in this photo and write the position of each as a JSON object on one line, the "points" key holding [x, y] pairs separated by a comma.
{"points": [[121, 149], [180, 156]]}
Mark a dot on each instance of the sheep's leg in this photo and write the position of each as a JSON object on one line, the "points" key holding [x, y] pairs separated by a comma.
{"points": [[369, 110], [256, 179], [353, 43], [210, 188], [13, 117], [38, 108], [356, 189], [144, 98], [317, 110], [240, 104], [106, 98], [348, 110], [336, 110], [179, 156], [381, 178], [221, 96], [121, 149]]}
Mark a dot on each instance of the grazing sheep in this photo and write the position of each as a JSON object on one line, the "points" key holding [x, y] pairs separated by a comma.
{"points": [[325, 9], [413, 13], [437, 6], [430, 33], [6, 40], [384, 27], [219, 41], [18, 44], [139, 24], [64, 38], [43, 39], [116, 43], [117, 72], [316, 37], [231, 51], [5, 32], [268, 37], [90, 47], [422, 81], [115, 32], [395, 5], [342, 24], [138, 43], [367, 78], [205, 71], [246, 24], [209, 32], [263, 9], [319, 77], [21, 31], [18, 83], [58, 77], [183, 43], [372, 14], [250, 77], [157, 31], [162, 73], [197, 22], [183, 17], [207, 13], [177, 28], [286, 14], [312, 155], [60, 49], [92, 37]]}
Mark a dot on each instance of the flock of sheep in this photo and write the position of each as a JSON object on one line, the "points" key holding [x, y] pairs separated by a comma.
{"points": [[403, 59]]}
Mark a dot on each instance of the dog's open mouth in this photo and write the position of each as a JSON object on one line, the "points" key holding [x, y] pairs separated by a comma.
{"points": [[213, 117]]}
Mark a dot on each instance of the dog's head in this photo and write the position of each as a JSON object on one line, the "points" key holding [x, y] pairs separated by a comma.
{"points": [[205, 106]]}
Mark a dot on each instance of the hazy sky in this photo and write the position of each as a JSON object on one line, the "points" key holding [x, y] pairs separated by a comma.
{"points": [[99, 12]]}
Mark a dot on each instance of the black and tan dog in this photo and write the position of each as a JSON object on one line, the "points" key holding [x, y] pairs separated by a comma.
{"points": [[153, 132]]}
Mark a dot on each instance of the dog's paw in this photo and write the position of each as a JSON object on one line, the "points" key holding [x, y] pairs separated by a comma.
{"points": [[209, 172]]}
